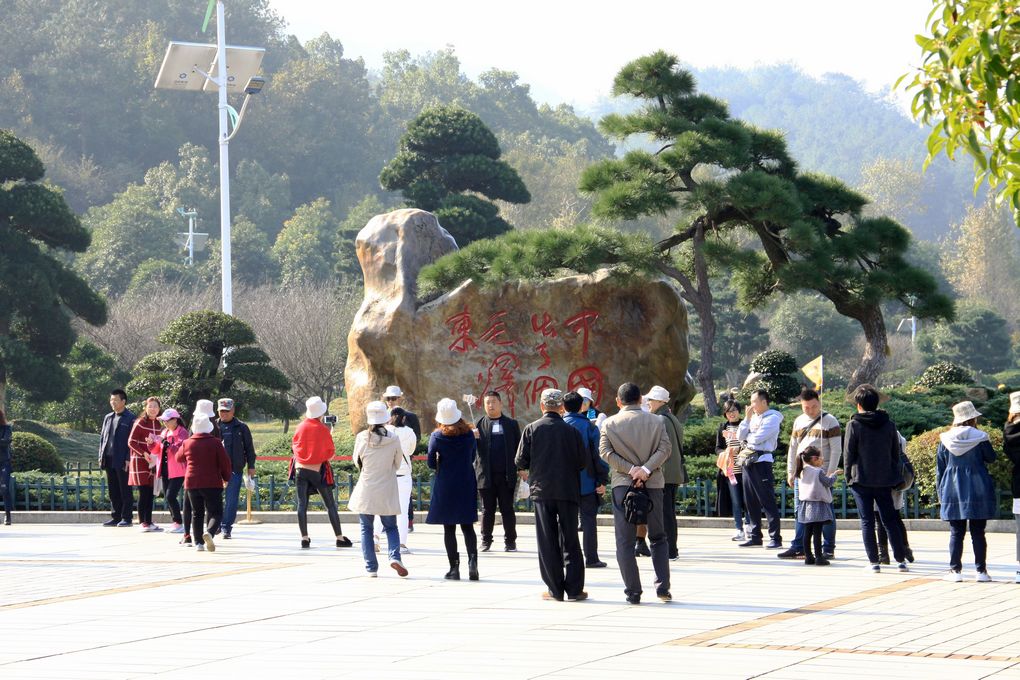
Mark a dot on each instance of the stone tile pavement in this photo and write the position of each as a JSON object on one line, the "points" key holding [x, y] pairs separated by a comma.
{"points": [[83, 601]]}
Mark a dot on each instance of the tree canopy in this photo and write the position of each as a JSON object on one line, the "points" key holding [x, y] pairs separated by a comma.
{"points": [[445, 152], [38, 293]]}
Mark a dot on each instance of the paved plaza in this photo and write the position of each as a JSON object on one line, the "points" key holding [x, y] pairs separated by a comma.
{"points": [[83, 601]]}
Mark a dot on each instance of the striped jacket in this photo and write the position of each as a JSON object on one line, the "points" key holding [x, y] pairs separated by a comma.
{"points": [[826, 435]]}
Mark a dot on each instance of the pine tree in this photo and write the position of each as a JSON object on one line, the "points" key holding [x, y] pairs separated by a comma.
{"points": [[445, 152], [38, 293]]}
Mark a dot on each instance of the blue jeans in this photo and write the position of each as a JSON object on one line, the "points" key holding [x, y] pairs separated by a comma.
{"points": [[828, 529], [867, 497], [389, 523], [230, 500], [5, 486], [740, 516]]}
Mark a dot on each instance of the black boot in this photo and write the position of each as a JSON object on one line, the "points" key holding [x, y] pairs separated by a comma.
{"points": [[883, 554], [473, 566], [641, 548], [454, 573]]}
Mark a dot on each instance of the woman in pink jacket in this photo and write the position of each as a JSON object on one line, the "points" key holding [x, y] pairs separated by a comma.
{"points": [[167, 466]]}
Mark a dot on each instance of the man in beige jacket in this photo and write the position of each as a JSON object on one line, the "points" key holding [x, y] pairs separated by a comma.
{"points": [[635, 445]]}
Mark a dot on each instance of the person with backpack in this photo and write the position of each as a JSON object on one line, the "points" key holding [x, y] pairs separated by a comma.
{"points": [[899, 497], [966, 490]]}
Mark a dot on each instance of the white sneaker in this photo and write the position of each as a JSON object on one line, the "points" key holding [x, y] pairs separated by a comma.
{"points": [[983, 577], [902, 567], [404, 550], [177, 528], [1017, 579], [208, 539], [154, 527], [373, 574], [953, 577], [739, 536], [873, 568], [200, 547]]}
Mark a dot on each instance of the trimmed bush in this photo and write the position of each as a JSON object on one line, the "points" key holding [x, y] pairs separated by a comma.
{"points": [[699, 439], [921, 452], [774, 362], [944, 373], [781, 388], [32, 452]]}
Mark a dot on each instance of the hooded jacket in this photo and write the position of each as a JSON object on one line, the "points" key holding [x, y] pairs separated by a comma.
{"points": [[965, 487], [871, 450], [1011, 447]]}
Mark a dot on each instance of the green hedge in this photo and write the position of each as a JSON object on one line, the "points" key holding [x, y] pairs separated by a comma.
{"points": [[32, 452], [921, 452]]}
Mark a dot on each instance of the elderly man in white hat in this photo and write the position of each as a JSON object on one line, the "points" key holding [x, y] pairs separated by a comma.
{"points": [[1011, 447], [554, 454], [673, 470], [240, 447]]}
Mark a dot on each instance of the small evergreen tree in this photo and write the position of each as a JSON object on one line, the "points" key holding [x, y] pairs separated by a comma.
{"points": [[445, 152], [213, 355], [38, 294]]}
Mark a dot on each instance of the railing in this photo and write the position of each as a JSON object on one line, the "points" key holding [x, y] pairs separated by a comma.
{"points": [[83, 487]]}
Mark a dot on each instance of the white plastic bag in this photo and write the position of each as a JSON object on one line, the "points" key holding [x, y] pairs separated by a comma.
{"points": [[523, 490]]}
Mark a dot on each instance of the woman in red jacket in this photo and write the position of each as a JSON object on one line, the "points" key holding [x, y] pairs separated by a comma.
{"points": [[313, 448], [144, 435], [208, 469]]}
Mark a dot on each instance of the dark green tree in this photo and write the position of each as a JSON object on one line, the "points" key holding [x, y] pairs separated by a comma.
{"points": [[978, 338], [445, 152], [38, 293], [93, 374], [213, 355]]}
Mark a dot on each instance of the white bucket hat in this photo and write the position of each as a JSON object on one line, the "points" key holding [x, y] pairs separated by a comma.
{"points": [[1014, 403], [392, 391], [964, 411], [377, 413], [657, 393], [201, 424], [447, 412], [586, 393], [205, 407], [315, 408]]}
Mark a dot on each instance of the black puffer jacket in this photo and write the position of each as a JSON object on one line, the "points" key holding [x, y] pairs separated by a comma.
{"points": [[1011, 446], [871, 450]]}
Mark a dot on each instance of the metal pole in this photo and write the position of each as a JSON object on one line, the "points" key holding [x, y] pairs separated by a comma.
{"points": [[191, 238], [221, 58]]}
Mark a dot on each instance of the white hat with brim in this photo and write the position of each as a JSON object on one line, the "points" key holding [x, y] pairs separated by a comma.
{"points": [[447, 412], [315, 407], [376, 413], [205, 407], [393, 391], [1014, 403], [657, 393], [964, 411], [201, 424], [586, 393]]}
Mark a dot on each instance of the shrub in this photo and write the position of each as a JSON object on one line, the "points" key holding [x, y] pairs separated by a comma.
{"points": [[774, 362], [699, 440], [276, 446], [781, 389], [921, 452], [944, 373], [32, 452]]}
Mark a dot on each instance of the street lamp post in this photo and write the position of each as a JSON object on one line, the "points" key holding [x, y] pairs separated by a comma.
{"points": [[181, 62]]}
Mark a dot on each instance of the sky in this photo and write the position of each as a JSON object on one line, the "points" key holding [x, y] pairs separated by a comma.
{"points": [[569, 51]]}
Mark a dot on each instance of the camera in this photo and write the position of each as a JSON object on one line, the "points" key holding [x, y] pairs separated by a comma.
{"points": [[329, 420]]}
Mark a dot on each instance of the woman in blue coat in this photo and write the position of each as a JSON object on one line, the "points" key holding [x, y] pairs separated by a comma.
{"points": [[452, 450], [965, 487]]}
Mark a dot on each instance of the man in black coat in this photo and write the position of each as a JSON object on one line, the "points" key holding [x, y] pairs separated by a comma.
{"points": [[498, 438], [237, 440], [553, 453], [113, 458]]}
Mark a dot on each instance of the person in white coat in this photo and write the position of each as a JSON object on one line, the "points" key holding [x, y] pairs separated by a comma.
{"points": [[378, 455], [408, 441]]}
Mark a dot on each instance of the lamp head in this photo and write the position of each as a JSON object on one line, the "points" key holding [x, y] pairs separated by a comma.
{"points": [[255, 85]]}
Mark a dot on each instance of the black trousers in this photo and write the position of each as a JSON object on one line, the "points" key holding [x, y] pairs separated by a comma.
{"points": [[122, 501], [173, 500], [500, 493], [760, 495], [957, 531], [205, 502], [589, 529], [307, 481], [145, 501], [559, 553], [813, 540], [669, 517], [187, 514]]}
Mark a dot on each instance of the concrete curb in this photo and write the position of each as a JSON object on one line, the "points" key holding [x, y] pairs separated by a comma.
{"points": [[282, 517]]}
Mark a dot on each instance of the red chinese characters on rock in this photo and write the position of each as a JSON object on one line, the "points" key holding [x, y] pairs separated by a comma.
{"points": [[460, 328], [581, 324], [533, 390], [496, 333], [501, 376], [590, 377], [546, 326]]}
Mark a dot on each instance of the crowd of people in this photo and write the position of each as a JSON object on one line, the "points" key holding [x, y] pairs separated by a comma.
{"points": [[563, 462]]}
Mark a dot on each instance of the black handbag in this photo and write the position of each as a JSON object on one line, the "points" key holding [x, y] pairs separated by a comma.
{"points": [[637, 505]]}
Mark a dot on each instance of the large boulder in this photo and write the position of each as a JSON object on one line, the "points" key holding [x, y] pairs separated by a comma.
{"points": [[574, 331]]}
